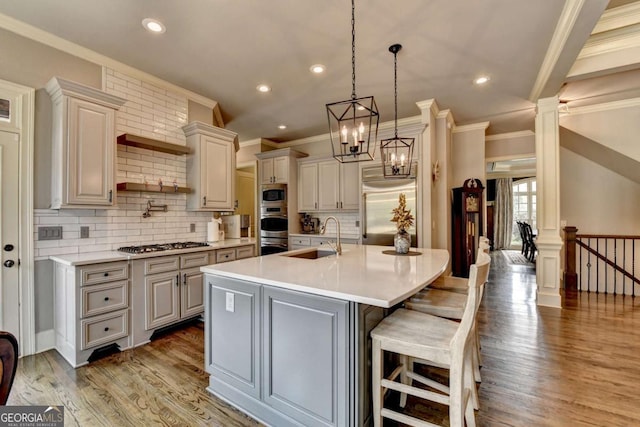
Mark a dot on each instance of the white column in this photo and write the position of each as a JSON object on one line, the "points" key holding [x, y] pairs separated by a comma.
{"points": [[548, 241], [429, 111]]}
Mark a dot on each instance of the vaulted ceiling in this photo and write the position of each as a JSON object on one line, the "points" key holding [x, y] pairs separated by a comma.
{"points": [[223, 49]]}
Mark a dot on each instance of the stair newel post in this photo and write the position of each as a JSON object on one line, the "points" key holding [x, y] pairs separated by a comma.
{"points": [[570, 276]]}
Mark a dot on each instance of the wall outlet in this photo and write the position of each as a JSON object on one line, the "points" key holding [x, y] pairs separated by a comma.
{"points": [[230, 302], [50, 233], [192, 227], [84, 232]]}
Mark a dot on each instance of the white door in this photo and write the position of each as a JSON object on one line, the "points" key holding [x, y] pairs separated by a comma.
{"points": [[9, 233]]}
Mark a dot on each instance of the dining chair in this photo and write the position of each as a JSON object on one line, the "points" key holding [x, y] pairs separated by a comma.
{"points": [[431, 340], [9, 358]]}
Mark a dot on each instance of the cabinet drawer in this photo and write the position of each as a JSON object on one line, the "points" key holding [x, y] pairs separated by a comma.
{"points": [[104, 329], [244, 252], [104, 298], [161, 264], [100, 273], [194, 260], [301, 241], [224, 255]]}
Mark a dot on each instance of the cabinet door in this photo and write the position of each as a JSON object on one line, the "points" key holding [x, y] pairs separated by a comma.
{"points": [[266, 174], [281, 170], [307, 187], [218, 168], [305, 344], [91, 153], [192, 293], [232, 333], [329, 185], [349, 186], [161, 299]]}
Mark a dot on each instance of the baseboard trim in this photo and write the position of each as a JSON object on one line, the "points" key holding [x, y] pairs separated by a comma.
{"points": [[45, 340]]}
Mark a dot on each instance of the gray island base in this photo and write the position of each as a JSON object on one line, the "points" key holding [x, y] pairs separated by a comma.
{"points": [[287, 337]]}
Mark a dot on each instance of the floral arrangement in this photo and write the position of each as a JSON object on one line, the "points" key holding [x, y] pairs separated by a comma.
{"points": [[401, 215]]}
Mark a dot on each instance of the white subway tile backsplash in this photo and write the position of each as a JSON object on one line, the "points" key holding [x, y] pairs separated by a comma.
{"points": [[152, 112]]}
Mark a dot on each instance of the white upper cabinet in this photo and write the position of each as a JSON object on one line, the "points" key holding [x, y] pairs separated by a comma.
{"points": [[83, 157], [328, 185], [275, 170], [211, 167], [307, 187]]}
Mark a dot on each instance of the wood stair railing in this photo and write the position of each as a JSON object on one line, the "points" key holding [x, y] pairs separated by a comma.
{"points": [[601, 263]]}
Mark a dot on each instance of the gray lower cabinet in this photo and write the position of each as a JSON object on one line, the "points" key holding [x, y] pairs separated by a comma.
{"points": [[282, 356], [232, 345], [305, 356]]}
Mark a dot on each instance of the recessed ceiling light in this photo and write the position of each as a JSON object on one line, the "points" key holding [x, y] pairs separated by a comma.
{"points": [[263, 88], [282, 126], [318, 68], [481, 80], [153, 25]]}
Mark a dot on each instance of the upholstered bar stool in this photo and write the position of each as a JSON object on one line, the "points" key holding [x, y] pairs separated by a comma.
{"points": [[430, 340]]}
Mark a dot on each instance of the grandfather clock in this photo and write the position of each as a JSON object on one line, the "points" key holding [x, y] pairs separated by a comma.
{"points": [[466, 226]]}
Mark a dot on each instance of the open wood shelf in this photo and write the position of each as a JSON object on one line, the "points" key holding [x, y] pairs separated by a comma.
{"points": [[152, 144], [135, 186]]}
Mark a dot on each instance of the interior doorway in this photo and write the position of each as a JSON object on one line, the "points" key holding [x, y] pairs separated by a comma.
{"points": [[246, 192], [16, 213]]}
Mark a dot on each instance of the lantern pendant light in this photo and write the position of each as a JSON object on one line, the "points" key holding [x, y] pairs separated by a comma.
{"points": [[353, 124], [396, 152]]}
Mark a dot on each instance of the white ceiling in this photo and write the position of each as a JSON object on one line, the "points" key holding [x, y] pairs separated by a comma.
{"points": [[222, 49]]}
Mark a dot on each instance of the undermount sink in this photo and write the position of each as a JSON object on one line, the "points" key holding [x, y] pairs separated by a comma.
{"points": [[311, 254]]}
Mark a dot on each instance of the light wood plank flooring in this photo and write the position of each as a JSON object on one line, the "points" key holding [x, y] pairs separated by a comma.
{"points": [[579, 366]]}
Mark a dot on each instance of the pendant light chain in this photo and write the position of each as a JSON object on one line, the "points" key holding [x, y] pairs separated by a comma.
{"points": [[353, 49], [395, 89]]}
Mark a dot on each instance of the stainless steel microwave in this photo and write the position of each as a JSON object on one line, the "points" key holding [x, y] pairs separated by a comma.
{"points": [[274, 195]]}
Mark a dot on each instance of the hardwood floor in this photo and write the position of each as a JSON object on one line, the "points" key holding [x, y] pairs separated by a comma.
{"points": [[579, 366]]}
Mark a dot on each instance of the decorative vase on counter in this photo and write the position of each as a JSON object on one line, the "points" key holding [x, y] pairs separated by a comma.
{"points": [[402, 241]]}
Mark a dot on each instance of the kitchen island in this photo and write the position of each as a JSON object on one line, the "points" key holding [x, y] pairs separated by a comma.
{"points": [[286, 335]]}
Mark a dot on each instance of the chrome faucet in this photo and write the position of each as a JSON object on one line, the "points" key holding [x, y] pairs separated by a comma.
{"points": [[338, 247]]}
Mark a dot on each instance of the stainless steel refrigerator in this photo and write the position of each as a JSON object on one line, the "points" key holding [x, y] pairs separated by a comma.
{"points": [[379, 198]]}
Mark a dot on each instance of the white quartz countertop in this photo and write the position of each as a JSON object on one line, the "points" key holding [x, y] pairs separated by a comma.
{"points": [[112, 256], [361, 274]]}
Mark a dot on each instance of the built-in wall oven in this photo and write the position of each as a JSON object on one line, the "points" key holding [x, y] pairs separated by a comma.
{"points": [[274, 222]]}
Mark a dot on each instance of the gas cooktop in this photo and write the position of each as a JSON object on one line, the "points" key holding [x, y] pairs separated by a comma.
{"points": [[160, 247]]}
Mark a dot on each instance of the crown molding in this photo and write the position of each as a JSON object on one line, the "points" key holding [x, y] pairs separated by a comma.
{"points": [[619, 17], [563, 29], [510, 135], [606, 106], [25, 30], [611, 41], [471, 127]]}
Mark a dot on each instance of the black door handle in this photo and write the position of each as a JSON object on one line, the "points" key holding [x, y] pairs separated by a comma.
{"points": [[9, 263], [8, 247]]}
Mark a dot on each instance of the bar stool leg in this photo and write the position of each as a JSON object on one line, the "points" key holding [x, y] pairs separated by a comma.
{"points": [[377, 393], [404, 378]]}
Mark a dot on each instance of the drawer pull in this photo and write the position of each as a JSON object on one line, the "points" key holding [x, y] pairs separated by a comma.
{"points": [[177, 280], [106, 274], [106, 329], [106, 298], [185, 279]]}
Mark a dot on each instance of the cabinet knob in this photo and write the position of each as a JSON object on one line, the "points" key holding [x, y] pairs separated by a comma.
{"points": [[106, 298], [106, 329], [106, 274]]}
